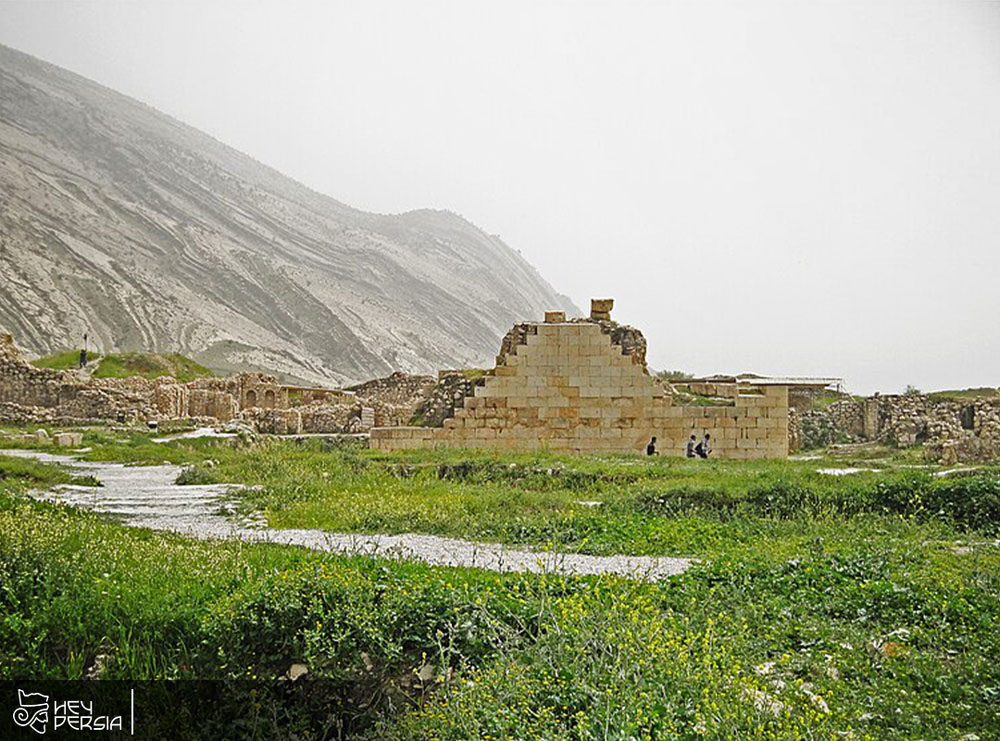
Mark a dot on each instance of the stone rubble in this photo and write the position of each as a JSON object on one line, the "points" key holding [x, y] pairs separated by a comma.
{"points": [[951, 430]]}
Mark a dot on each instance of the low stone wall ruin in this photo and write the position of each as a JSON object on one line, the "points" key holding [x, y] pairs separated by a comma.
{"points": [[951, 430], [395, 398], [30, 395]]}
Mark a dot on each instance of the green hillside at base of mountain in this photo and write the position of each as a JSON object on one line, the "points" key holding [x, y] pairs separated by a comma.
{"points": [[63, 360], [126, 364]]}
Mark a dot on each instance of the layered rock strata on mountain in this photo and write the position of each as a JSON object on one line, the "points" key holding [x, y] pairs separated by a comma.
{"points": [[146, 234]]}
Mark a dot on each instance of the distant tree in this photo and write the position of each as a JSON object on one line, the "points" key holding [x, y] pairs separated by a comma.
{"points": [[911, 390], [673, 375]]}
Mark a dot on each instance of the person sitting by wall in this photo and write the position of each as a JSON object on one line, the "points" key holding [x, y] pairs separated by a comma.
{"points": [[690, 447], [703, 448], [651, 448]]}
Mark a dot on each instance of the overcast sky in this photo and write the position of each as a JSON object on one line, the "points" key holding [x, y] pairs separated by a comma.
{"points": [[808, 188]]}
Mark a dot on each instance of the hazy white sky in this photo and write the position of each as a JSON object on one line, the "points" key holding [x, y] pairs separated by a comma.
{"points": [[782, 187]]}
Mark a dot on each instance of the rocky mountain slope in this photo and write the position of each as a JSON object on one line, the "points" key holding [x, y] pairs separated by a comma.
{"points": [[122, 222]]}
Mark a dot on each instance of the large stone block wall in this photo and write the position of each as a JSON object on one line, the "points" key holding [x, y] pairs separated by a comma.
{"points": [[569, 387]]}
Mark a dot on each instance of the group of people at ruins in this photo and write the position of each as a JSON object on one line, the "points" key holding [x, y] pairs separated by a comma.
{"points": [[692, 450]]}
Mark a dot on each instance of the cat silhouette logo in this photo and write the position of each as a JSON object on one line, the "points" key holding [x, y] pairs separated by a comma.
{"points": [[34, 711]]}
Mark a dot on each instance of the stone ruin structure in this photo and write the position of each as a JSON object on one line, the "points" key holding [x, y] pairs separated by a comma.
{"points": [[583, 386], [574, 386], [30, 395], [951, 430], [39, 395]]}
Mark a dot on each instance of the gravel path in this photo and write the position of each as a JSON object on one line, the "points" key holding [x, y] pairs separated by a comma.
{"points": [[146, 496]]}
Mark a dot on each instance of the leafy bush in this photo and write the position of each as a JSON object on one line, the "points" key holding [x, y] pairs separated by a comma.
{"points": [[195, 475]]}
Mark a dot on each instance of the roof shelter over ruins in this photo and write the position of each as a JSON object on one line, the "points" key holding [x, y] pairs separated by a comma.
{"points": [[582, 386]]}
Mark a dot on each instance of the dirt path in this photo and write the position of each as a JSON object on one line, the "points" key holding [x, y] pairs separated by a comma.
{"points": [[146, 496]]}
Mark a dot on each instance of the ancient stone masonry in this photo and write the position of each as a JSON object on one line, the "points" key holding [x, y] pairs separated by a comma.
{"points": [[951, 429], [570, 386], [29, 394], [396, 398], [447, 396], [629, 339]]}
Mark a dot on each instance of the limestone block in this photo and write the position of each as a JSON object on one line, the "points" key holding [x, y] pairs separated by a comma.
{"points": [[600, 308], [68, 439]]}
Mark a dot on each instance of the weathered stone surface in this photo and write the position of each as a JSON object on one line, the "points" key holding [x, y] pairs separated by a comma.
{"points": [[952, 431], [600, 308], [447, 396], [629, 340], [68, 439], [571, 387], [395, 398], [37, 395]]}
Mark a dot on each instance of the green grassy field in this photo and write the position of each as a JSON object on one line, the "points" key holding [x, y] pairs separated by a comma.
{"points": [[126, 364], [859, 606]]}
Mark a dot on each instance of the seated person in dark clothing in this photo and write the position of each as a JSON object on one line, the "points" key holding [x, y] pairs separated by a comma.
{"points": [[703, 448], [690, 448], [651, 448]]}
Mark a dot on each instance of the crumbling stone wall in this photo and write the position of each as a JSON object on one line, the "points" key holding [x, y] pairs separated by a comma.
{"points": [[39, 395], [351, 416], [9, 353], [848, 419], [248, 390], [571, 388], [713, 389], [447, 396], [273, 421], [395, 398], [952, 430], [628, 339]]}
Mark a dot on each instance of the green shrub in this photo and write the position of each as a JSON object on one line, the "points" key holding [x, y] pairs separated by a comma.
{"points": [[195, 475]]}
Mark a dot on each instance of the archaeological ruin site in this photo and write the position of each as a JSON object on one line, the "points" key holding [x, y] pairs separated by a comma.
{"points": [[577, 386], [581, 386]]}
